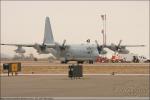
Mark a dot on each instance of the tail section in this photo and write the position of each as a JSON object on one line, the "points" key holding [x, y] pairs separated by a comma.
{"points": [[48, 36]]}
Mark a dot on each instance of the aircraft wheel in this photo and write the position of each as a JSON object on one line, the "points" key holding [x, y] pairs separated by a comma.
{"points": [[90, 62], [64, 62], [80, 62]]}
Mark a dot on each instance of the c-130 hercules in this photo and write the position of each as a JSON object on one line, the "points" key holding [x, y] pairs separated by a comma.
{"points": [[75, 52]]}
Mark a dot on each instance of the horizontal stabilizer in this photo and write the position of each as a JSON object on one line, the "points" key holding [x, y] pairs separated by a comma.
{"points": [[24, 45]]}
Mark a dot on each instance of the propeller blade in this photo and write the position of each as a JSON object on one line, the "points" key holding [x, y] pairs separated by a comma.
{"points": [[96, 43], [63, 43], [100, 48], [63, 47], [119, 44]]}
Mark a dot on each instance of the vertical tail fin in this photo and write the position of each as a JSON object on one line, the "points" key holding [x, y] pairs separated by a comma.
{"points": [[48, 36]]}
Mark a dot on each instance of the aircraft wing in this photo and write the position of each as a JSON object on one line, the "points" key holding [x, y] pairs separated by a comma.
{"points": [[123, 46], [23, 45], [132, 45], [30, 45]]}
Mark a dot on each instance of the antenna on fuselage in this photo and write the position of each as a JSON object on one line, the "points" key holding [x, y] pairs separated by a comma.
{"points": [[88, 40]]}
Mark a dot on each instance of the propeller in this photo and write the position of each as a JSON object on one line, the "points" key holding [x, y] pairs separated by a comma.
{"points": [[40, 48], [63, 47], [43, 47], [63, 43], [100, 48], [119, 49]]}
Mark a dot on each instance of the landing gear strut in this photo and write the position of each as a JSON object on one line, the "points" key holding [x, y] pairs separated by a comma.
{"points": [[64, 62], [80, 62]]}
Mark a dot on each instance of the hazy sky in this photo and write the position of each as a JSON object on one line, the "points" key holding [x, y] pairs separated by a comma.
{"points": [[75, 21]]}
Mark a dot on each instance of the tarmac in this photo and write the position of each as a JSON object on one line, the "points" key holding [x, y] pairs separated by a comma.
{"points": [[62, 86], [130, 82]]}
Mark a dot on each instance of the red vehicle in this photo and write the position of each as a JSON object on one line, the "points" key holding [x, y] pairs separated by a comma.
{"points": [[116, 58], [102, 59]]}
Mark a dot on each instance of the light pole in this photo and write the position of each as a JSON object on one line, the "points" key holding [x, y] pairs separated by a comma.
{"points": [[104, 28]]}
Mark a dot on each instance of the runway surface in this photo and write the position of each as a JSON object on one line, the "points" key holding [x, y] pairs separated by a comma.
{"points": [[83, 74], [49, 81], [88, 86]]}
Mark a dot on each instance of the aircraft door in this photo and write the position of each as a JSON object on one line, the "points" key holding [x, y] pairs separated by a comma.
{"points": [[68, 56]]}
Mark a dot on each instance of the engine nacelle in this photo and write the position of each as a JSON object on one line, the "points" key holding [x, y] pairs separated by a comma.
{"points": [[103, 52], [20, 50], [113, 47], [42, 49], [123, 51]]}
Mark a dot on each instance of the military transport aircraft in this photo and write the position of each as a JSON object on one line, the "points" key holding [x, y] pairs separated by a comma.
{"points": [[79, 52]]}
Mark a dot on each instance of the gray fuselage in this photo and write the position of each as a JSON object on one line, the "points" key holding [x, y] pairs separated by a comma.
{"points": [[76, 52]]}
